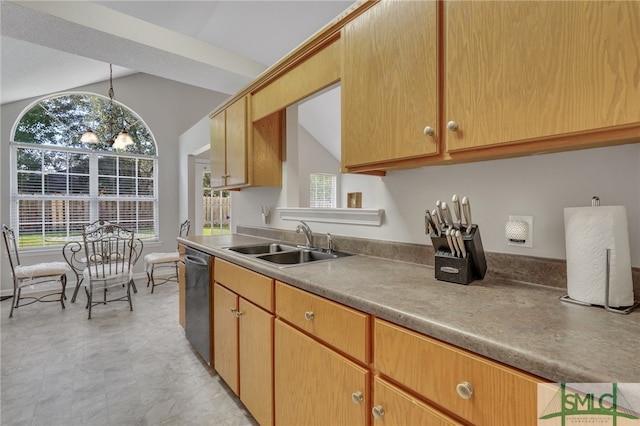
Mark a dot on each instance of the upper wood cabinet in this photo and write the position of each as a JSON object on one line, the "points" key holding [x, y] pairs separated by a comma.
{"points": [[312, 74], [517, 72], [389, 84], [492, 79], [244, 153]]}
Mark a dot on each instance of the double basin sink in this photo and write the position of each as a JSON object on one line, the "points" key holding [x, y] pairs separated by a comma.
{"points": [[286, 255]]}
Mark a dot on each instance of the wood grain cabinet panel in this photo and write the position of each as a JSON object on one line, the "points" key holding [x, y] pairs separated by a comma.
{"points": [[526, 71], [344, 328], [398, 408], [315, 385], [500, 395], [244, 153], [225, 345], [248, 284], [256, 361], [389, 83]]}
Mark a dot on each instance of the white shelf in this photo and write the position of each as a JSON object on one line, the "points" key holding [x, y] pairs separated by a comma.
{"points": [[366, 217]]}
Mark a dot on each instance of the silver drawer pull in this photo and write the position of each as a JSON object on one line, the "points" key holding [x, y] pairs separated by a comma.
{"points": [[357, 397], [377, 411], [465, 390], [308, 315]]}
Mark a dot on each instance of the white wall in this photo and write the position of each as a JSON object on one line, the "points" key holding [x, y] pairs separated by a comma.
{"points": [[540, 186], [168, 108]]}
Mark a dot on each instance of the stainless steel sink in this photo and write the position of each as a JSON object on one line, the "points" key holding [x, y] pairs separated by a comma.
{"points": [[284, 255], [263, 248]]}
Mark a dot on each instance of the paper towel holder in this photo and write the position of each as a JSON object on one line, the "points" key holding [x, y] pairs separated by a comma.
{"points": [[624, 311]]}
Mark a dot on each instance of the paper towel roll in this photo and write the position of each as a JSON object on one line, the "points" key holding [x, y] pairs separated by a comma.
{"points": [[589, 232]]}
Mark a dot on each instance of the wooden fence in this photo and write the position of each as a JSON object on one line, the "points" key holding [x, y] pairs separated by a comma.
{"points": [[216, 211]]}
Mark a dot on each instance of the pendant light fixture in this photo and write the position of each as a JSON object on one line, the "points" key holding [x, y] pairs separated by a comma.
{"points": [[117, 136]]}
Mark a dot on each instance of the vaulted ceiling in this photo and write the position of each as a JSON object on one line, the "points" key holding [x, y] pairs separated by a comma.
{"points": [[50, 46]]}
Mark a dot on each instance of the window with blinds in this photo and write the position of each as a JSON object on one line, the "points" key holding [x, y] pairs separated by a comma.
{"points": [[322, 190], [59, 185]]}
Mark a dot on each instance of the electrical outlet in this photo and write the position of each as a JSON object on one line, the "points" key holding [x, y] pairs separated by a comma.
{"points": [[528, 242]]}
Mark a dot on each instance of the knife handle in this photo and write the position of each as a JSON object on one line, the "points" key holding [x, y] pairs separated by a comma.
{"points": [[463, 250], [450, 242], [436, 219], [466, 209], [456, 208], [430, 224], [448, 220]]}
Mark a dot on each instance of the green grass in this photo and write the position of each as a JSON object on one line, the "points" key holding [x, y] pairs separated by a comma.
{"points": [[216, 230]]}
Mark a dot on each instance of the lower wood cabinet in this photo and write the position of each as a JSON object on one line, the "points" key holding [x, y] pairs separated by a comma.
{"points": [[243, 341], [481, 391], [393, 406], [315, 385]]}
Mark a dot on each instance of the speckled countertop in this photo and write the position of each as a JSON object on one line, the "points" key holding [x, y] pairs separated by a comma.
{"points": [[521, 325]]}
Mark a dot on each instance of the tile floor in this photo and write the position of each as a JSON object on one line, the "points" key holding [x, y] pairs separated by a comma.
{"points": [[119, 368]]}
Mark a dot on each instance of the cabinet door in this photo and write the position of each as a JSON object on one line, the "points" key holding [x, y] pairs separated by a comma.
{"points": [[225, 324], [314, 385], [521, 71], [237, 142], [256, 361], [389, 86], [218, 149], [393, 406]]}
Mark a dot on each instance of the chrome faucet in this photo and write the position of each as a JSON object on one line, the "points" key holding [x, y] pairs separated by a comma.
{"points": [[307, 233], [329, 243]]}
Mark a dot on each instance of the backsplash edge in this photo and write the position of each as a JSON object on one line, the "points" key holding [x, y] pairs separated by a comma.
{"points": [[535, 270]]}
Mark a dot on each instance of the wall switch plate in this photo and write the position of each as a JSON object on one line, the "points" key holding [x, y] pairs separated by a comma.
{"points": [[528, 242]]}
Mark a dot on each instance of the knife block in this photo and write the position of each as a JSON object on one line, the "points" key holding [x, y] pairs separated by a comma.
{"points": [[457, 269]]}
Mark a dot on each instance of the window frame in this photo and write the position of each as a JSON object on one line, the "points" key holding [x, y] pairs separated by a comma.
{"points": [[313, 189], [93, 198]]}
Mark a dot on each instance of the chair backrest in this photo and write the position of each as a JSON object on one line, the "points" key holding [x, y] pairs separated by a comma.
{"points": [[11, 246], [184, 228], [109, 249]]}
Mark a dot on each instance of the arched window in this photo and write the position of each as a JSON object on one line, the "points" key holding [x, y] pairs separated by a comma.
{"points": [[60, 184]]}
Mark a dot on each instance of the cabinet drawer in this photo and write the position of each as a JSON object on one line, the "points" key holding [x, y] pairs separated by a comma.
{"points": [[401, 408], [501, 395], [341, 327], [248, 284]]}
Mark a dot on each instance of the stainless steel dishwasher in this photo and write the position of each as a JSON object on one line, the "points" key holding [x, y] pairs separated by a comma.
{"points": [[197, 293]]}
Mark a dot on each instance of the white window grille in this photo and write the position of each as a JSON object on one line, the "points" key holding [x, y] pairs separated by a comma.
{"points": [[322, 190]]}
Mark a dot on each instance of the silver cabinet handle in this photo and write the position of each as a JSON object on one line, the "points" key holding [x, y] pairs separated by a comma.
{"points": [[428, 131], [308, 315], [465, 390], [357, 397], [233, 310], [377, 411], [452, 125], [239, 314]]}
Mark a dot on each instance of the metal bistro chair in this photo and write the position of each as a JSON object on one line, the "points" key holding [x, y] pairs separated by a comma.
{"points": [[110, 253], [74, 256], [31, 275], [164, 261]]}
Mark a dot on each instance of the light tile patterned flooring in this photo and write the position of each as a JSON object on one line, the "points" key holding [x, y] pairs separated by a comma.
{"points": [[119, 368]]}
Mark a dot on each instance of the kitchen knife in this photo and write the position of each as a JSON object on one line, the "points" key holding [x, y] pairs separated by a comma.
{"points": [[466, 209], [436, 220], [454, 241], [430, 223], [456, 208], [463, 250], [450, 242], [448, 220], [440, 212]]}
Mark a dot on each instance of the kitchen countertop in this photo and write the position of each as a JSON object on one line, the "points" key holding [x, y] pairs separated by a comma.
{"points": [[522, 325]]}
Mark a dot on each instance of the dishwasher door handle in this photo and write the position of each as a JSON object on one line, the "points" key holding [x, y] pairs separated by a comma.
{"points": [[195, 261]]}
